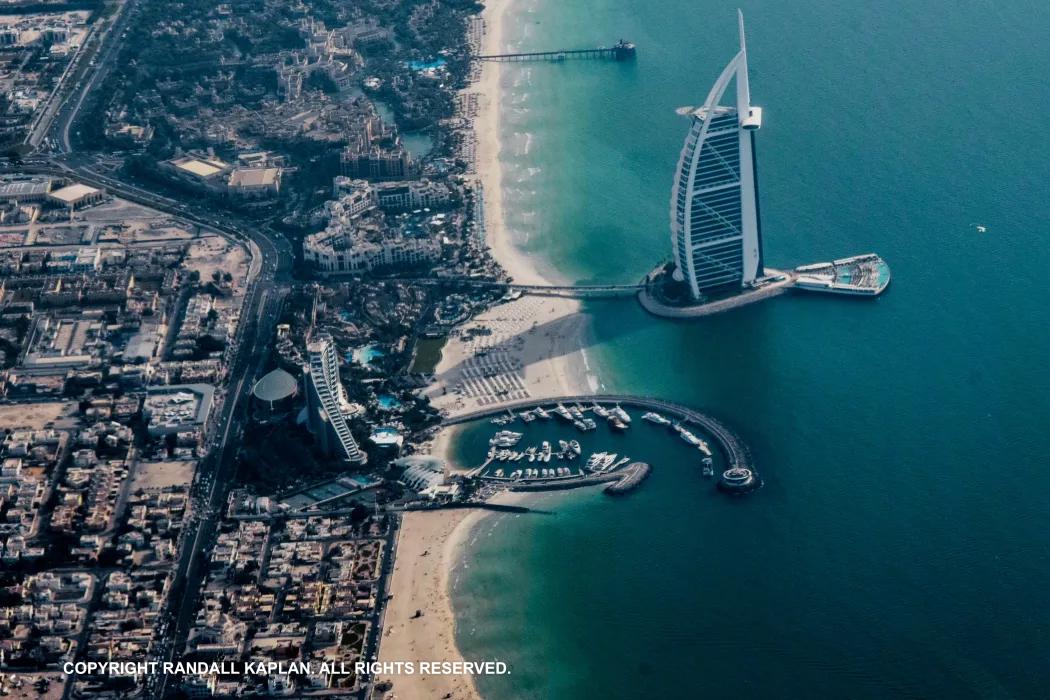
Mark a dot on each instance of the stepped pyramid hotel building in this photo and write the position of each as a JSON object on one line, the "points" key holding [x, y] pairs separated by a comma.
{"points": [[715, 230]]}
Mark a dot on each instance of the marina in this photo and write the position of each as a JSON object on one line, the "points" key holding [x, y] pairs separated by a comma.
{"points": [[574, 451]]}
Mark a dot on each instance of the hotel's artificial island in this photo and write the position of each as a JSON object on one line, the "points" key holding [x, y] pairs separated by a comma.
{"points": [[716, 229]]}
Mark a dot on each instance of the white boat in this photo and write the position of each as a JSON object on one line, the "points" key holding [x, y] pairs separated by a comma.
{"points": [[586, 424], [562, 412], [545, 451], [540, 413], [505, 438], [562, 445], [617, 424], [576, 412], [655, 418], [600, 411], [623, 461], [527, 416], [595, 461], [531, 454], [621, 414], [687, 436], [499, 473], [702, 446], [608, 460], [516, 474]]}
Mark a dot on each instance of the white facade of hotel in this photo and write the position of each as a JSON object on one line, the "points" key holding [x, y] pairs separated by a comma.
{"points": [[715, 230], [327, 404]]}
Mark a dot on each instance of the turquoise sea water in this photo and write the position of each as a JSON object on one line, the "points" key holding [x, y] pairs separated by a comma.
{"points": [[899, 546]]}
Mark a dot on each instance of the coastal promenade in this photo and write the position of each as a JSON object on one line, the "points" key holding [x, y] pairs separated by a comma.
{"points": [[736, 452]]}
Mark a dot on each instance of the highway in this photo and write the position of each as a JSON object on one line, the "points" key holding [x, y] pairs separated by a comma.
{"points": [[268, 279], [100, 50]]}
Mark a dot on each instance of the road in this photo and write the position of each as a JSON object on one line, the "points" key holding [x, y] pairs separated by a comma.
{"points": [[268, 282], [100, 51], [268, 278]]}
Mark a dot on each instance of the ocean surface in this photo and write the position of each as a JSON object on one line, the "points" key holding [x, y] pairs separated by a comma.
{"points": [[900, 545]]}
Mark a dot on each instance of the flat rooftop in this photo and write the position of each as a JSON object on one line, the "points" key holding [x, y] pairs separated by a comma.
{"points": [[74, 193], [199, 167], [24, 188], [254, 177]]}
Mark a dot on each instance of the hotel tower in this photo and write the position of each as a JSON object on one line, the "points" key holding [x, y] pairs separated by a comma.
{"points": [[327, 404], [715, 231]]}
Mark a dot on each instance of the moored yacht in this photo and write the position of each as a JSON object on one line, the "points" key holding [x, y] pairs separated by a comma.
{"points": [[595, 460], [563, 412], [505, 438], [656, 418]]}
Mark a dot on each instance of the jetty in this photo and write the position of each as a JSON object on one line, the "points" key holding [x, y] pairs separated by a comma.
{"points": [[620, 51]]}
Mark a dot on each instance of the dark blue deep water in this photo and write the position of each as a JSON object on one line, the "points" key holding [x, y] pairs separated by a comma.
{"points": [[899, 547]]}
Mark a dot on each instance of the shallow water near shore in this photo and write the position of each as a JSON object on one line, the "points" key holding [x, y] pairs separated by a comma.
{"points": [[898, 547]]}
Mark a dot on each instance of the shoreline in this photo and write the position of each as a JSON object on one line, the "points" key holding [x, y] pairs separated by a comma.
{"points": [[532, 347], [420, 624], [529, 347]]}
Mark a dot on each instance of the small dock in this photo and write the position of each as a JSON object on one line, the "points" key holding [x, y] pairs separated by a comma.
{"points": [[621, 51]]}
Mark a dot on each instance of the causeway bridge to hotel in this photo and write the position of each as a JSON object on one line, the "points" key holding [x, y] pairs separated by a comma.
{"points": [[861, 275], [572, 291], [736, 452]]}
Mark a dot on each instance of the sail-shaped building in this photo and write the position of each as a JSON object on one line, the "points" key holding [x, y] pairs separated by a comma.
{"points": [[715, 228]]}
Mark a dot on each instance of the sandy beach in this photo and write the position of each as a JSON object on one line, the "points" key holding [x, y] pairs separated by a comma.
{"points": [[425, 555], [529, 347], [427, 549]]}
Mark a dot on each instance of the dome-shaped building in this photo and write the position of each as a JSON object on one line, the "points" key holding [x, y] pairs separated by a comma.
{"points": [[275, 393]]}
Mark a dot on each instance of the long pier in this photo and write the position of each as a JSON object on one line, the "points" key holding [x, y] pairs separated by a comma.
{"points": [[734, 449], [621, 51]]}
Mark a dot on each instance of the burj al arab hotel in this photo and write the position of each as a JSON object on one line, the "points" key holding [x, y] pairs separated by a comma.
{"points": [[715, 229]]}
